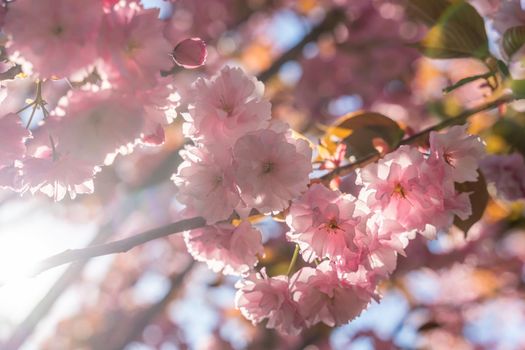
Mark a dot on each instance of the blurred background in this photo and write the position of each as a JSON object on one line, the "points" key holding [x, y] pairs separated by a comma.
{"points": [[319, 60]]}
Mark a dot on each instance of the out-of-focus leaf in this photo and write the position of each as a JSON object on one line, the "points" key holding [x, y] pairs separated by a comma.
{"points": [[425, 11], [479, 198], [502, 67], [358, 131], [511, 131], [513, 39], [517, 87], [456, 29]]}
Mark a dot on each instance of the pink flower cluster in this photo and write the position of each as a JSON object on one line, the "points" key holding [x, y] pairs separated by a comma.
{"points": [[355, 240], [116, 51], [241, 161]]}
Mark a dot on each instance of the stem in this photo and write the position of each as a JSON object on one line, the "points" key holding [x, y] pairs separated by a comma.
{"points": [[467, 80], [294, 260], [38, 102]]}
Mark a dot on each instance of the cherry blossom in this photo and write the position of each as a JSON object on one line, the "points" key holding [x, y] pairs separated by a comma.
{"points": [[56, 36], [459, 151], [133, 47], [190, 53], [323, 223], [206, 185], [393, 186], [95, 125], [507, 172], [324, 297], [271, 169], [417, 193], [377, 244], [260, 297], [226, 248], [57, 174], [226, 107]]}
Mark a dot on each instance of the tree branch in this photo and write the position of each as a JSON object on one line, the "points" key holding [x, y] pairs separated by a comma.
{"points": [[11, 73], [332, 19], [459, 119], [119, 246], [126, 244]]}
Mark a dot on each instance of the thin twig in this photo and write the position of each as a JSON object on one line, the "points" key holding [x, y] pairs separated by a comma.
{"points": [[459, 119], [294, 260], [332, 19]]}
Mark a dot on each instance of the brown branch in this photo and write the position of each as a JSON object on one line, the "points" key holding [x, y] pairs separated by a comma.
{"points": [[119, 246], [416, 138], [331, 20], [11, 73]]}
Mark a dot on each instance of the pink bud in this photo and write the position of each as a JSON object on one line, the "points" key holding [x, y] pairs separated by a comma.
{"points": [[190, 53]]}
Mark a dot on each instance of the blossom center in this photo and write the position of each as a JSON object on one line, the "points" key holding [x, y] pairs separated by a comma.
{"points": [[226, 107], [57, 30], [132, 47], [399, 190], [332, 225], [267, 167]]}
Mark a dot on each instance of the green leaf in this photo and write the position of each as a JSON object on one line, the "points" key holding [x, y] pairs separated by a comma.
{"points": [[456, 29], [518, 88], [513, 39], [467, 80], [358, 131], [479, 198]]}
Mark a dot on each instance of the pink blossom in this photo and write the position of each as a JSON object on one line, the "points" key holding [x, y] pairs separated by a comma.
{"points": [[12, 139], [58, 174], [324, 297], [393, 186], [323, 223], [417, 193], [226, 248], [206, 185], [95, 126], [133, 46], [377, 242], [507, 172], [159, 104], [55, 36], [190, 53], [226, 107], [459, 152], [271, 169], [260, 297]]}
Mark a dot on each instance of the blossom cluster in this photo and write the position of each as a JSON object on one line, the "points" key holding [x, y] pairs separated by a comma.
{"points": [[110, 56], [356, 240], [242, 162]]}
